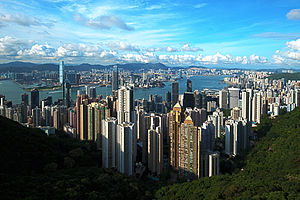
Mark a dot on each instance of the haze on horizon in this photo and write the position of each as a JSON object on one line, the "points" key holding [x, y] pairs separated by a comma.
{"points": [[175, 33]]}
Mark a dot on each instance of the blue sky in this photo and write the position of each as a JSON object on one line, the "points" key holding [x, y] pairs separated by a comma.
{"points": [[215, 32]]}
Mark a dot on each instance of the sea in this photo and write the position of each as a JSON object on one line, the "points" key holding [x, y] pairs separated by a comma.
{"points": [[13, 91]]}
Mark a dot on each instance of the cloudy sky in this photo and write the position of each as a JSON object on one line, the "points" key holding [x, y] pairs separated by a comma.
{"points": [[173, 32]]}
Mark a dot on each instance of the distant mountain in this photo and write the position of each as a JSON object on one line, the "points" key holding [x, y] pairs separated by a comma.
{"points": [[28, 67]]}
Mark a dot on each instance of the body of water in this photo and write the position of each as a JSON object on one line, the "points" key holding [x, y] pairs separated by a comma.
{"points": [[13, 91]]}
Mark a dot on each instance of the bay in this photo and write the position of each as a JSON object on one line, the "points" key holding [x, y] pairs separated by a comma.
{"points": [[13, 91]]}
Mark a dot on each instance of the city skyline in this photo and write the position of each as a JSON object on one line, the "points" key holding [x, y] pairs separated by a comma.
{"points": [[225, 33]]}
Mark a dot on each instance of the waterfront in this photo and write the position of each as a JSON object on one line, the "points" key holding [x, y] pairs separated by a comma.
{"points": [[13, 91]]}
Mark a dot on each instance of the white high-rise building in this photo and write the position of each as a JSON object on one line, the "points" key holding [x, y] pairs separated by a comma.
{"points": [[213, 159], [234, 94], [109, 129], [155, 151], [236, 136], [125, 110], [256, 107], [126, 148]]}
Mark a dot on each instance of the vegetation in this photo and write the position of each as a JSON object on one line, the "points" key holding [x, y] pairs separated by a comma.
{"points": [[36, 166], [286, 76], [271, 169]]}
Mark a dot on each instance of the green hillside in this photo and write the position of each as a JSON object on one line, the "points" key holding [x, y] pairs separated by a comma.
{"points": [[286, 76], [271, 169], [37, 166]]}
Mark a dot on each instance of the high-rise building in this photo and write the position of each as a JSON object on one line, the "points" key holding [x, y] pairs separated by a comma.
{"points": [[126, 148], [236, 113], [256, 107], [213, 164], [155, 151], [189, 87], [36, 117], [35, 98], [125, 105], [66, 94], [168, 99], [115, 79], [61, 72], [297, 98], [175, 93], [236, 136], [188, 100], [92, 92], [77, 79], [109, 142], [83, 120], [25, 99], [176, 117], [246, 105], [198, 99], [223, 98], [233, 97], [188, 152]]}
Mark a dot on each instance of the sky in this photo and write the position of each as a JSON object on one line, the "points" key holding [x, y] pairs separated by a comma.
{"points": [[173, 32]]}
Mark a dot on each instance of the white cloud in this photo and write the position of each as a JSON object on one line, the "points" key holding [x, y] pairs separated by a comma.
{"points": [[277, 59], [10, 46], [122, 46], [186, 47], [257, 59], [294, 14], [38, 50], [22, 20], [217, 58], [171, 49], [294, 45], [103, 22]]}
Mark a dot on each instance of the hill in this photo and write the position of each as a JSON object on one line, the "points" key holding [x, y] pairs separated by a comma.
{"points": [[37, 166], [19, 67], [286, 76], [271, 169]]}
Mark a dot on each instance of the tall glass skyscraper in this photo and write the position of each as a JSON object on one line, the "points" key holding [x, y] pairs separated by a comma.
{"points": [[61, 72], [115, 79]]}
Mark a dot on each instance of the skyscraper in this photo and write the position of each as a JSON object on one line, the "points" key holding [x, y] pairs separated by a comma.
{"points": [[176, 117], [25, 99], [213, 164], [35, 98], [198, 99], [189, 87], [155, 150], [61, 72], [125, 105], [92, 92], [188, 100], [223, 96], [109, 142], [126, 148], [175, 93], [188, 152], [115, 79], [233, 97], [66, 94], [246, 105]]}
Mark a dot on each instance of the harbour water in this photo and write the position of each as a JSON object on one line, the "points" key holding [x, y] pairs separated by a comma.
{"points": [[13, 91]]}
